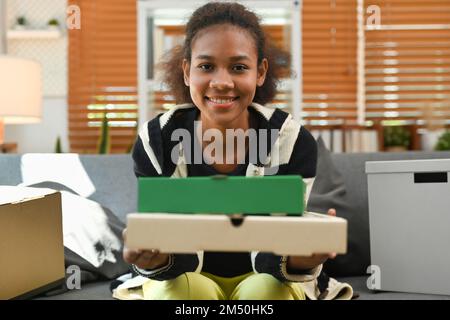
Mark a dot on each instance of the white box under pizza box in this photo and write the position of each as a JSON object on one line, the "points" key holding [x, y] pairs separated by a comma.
{"points": [[189, 233]]}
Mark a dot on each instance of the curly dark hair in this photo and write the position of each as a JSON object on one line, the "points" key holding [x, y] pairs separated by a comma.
{"points": [[216, 13]]}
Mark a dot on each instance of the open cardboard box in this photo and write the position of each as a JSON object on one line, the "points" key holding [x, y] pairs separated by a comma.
{"points": [[31, 241]]}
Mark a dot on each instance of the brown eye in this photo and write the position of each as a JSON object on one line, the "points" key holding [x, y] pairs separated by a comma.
{"points": [[240, 68], [205, 67]]}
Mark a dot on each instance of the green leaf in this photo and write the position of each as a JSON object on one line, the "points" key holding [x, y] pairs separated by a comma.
{"points": [[104, 142], [58, 147]]}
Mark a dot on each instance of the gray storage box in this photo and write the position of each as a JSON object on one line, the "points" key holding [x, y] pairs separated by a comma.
{"points": [[409, 214]]}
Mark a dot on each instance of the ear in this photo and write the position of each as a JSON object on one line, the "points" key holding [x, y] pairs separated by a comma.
{"points": [[186, 70], [262, 71]]}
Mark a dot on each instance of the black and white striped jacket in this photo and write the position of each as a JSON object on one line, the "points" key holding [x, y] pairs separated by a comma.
{"points": [[293, 151]]}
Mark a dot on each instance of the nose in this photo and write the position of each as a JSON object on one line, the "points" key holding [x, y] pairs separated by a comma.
{"points": [[221, 80]]}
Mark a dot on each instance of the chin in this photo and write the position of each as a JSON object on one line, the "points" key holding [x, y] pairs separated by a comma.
{"points": [[223, 117], [223, 120]]}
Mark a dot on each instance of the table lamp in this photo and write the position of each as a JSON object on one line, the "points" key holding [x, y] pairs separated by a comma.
{"points": [[20, 92]]}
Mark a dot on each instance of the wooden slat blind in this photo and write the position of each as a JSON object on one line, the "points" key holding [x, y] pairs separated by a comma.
{"points": [[329, 61], [103, 75], [407, 61], [407, 66]]}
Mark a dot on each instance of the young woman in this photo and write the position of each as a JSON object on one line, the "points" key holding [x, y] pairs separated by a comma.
{"points": [[221, 78]]}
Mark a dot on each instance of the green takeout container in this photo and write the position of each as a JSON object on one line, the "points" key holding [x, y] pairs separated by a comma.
{"points": [[222, 195]]}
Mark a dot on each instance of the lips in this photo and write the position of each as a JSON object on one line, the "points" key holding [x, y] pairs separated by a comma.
{"points": [[221, 102]]}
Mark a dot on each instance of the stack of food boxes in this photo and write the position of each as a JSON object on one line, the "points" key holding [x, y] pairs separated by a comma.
{"points": [[225, 213]]}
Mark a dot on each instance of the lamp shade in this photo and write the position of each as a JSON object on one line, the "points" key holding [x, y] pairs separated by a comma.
{"points": [[20, 90]]}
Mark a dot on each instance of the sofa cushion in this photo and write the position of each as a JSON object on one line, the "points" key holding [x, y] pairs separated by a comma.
{"points": [[10, 169], [106, 179], [99, 290], [92, 236], [329, 191]]}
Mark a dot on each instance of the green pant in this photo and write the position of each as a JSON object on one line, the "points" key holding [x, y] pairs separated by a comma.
{"points": [[205, 286]]}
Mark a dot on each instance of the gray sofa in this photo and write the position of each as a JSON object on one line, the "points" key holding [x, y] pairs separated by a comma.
{"points": [[115, 186]]}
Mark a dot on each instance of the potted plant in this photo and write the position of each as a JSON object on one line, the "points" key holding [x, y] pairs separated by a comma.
{"points": [[21, 23], [443, 142], [58, 146], [104, 140], [396, 138], [53, 24]]}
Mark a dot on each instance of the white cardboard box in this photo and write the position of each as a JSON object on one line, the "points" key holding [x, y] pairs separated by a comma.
{"points": [[409, 215]]}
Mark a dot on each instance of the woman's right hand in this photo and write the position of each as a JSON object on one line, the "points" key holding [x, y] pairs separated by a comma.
{"points": [[144, 259]]}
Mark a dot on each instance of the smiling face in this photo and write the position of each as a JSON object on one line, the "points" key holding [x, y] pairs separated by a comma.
{"points": [[223, 75]]}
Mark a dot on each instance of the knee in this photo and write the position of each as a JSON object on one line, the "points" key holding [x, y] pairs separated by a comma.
{"points": [[263, 286], [187, 286]]}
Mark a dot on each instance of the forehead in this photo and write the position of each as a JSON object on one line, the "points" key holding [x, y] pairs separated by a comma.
{"points": [[223, 41]]}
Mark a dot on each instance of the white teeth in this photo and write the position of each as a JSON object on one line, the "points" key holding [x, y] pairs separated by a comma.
{"points": [[221, 101]]}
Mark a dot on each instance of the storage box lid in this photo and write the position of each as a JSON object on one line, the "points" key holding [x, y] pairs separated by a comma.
{"points": [[429, 165]]}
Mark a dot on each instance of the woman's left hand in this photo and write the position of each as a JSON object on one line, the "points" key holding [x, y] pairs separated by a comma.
{"points": [[310, 262]]}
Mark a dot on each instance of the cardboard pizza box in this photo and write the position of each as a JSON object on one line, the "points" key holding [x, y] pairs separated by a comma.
{"points": [[284, 235]]}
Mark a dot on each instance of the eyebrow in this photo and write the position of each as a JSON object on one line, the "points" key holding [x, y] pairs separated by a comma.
{"points": [[234, 58]]}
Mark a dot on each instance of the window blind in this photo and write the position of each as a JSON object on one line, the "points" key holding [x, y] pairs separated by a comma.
{"points": [[103, 75], [407, 62], [329, 33]]}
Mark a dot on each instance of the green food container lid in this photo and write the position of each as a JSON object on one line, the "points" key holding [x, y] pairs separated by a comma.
{"points": [[222, 195]]}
